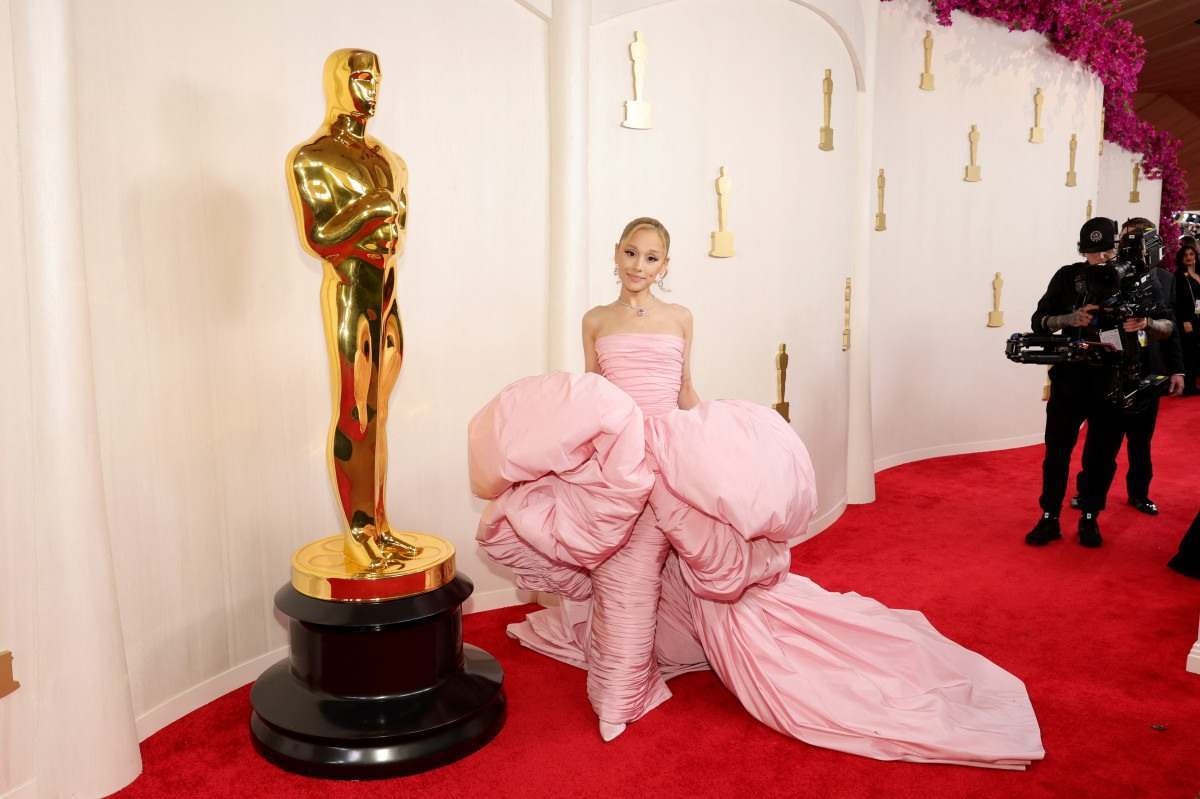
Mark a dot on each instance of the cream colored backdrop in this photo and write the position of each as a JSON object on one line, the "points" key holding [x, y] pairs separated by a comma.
{"points": [[940, 382], [738, 85], [1116, 180]]}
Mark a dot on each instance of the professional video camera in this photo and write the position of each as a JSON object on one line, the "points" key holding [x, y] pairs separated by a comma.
{"points": [[1122, 289]]}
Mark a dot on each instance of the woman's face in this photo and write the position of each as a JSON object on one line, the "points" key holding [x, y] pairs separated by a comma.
{"points": [[640, 259], [1189, 259]]}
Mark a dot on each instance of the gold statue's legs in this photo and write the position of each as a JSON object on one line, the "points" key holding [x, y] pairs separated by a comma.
{"points": [[366, 347]]}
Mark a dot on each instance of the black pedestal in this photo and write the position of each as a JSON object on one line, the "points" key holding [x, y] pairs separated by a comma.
{"points": [[376, 689]]}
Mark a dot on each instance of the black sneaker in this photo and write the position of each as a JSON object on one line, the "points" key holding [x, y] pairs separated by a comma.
{"points": [[1089, 531], [1045, 531]]}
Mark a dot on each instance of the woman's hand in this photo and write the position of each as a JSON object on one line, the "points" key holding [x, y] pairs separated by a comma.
{"points": [[1135, 324], [1187, 327]]}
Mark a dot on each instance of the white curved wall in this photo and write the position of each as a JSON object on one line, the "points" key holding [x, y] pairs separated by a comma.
{"points": [[940, 381], [740, 86], [1116, 181], [210, 363]]}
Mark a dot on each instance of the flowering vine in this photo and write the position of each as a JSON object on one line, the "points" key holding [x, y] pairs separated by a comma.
{"points": [[1088, 31]]}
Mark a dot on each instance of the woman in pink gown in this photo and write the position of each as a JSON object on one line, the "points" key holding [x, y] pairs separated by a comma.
{"points": [[665, 525]]}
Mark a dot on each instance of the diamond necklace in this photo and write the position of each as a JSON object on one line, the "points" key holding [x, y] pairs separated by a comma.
{"points": [[638, 311]]}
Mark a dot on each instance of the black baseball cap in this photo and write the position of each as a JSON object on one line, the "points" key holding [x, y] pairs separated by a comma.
{"points": [[1098, 235]]}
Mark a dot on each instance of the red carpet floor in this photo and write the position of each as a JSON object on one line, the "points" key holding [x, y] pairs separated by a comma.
{"points": [[1100, 638]]}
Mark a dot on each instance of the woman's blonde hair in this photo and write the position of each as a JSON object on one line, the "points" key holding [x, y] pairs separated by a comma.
{"points": [[653, 224]]}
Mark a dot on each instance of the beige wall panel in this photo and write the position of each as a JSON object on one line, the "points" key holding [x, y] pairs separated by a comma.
{"points": [[940, 381], [738, 85]]}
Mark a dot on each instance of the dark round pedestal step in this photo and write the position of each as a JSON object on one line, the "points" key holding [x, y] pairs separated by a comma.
{"points": [[376, 689]]}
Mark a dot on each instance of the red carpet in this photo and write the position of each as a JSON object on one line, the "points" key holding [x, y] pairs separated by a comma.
{"points": [[1100, 638]]}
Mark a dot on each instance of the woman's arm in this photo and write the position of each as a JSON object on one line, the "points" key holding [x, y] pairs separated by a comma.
{"points": [[591, 324], [688, 398]]}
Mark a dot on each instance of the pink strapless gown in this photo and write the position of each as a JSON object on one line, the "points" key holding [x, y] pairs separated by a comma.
{"points": [[667, 534]]}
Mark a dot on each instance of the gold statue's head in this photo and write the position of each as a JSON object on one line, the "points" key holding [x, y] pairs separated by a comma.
{"points": [[351, 83]]}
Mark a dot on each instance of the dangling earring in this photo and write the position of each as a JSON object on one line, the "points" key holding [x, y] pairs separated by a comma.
{"points": [[617, 274], [661, 283]]}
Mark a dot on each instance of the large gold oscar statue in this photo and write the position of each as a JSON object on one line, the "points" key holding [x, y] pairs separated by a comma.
{"points": [[349, 194], [378, 681]]}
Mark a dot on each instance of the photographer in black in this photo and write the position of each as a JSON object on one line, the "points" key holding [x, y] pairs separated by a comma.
{"points": [[1084, 390], [1139, 245]]}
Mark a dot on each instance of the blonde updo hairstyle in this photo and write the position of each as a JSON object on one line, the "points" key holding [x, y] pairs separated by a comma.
{"points": [[653, 224]]}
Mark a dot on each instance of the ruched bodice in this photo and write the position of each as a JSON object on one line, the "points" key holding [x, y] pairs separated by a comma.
{"points": [[646, 366]]}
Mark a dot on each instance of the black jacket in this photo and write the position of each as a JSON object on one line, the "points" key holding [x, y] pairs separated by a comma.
{"points": [[1186, 295], [1164, 357], [1068, 290]]}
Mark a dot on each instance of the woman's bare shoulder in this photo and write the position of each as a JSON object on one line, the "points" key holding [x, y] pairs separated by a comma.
{"points": [[596, 315], [681, 312]]}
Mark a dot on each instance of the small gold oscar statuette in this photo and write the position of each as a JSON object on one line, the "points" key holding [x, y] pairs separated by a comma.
{"points": [[826, 142], [7, 683], [1036, 134], [1071, 167], [722, 239], [996, 316], [927, 75], [781, 364], [880, 216], [637, 110], [1089, 210], [846, 317], [974, 173], [1135, 196], [1046, 386]]}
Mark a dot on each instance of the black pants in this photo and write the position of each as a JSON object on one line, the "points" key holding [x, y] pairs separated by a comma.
{"points": [[1191, 358], [1139, 430], [1077, 395]]}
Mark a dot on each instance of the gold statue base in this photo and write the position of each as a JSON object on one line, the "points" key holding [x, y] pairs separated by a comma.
{"points": [[1135, 196], [1037, 135], [995, 318], [1071, 179], [321, 570], [826, 139], [7, 683], [637, 115], [782, 408], [881, 222], [926, 81], [974, 174], [722, 244]]}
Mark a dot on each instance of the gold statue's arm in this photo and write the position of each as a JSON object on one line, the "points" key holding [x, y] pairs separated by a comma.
{"points": [[375, 204]]}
